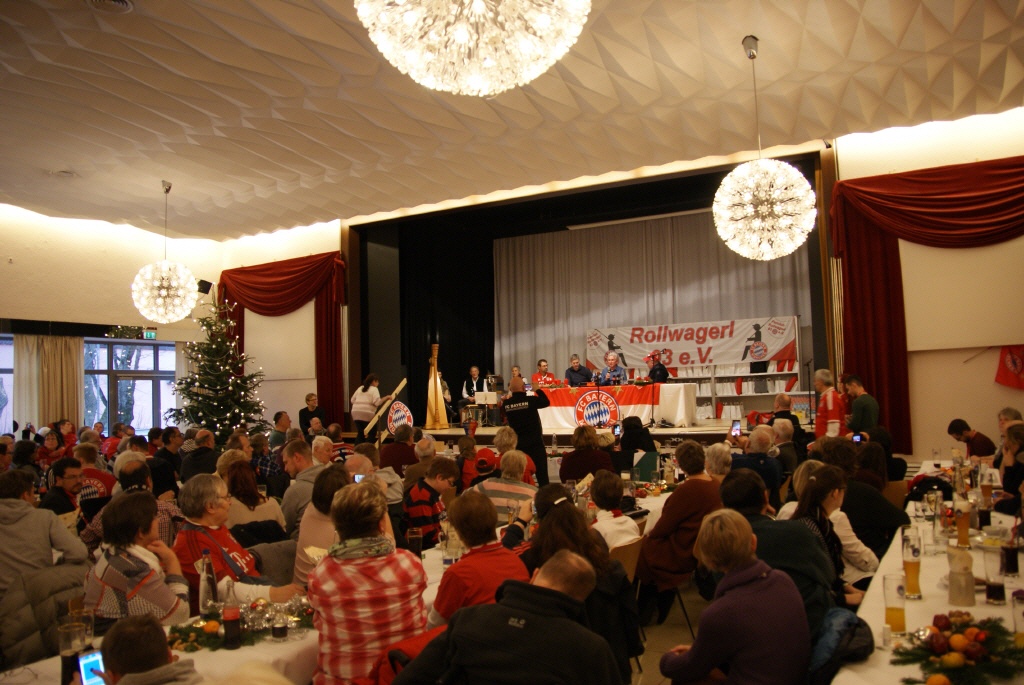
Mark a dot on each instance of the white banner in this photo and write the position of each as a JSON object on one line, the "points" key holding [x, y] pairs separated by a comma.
{"points": [[682, 345]]}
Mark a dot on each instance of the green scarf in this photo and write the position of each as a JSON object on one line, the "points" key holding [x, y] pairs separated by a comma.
{"points": [[358, 548]]}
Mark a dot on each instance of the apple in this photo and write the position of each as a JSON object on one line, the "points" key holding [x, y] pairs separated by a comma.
{"points": [[942, 622], [938, 644], [974, 651]]}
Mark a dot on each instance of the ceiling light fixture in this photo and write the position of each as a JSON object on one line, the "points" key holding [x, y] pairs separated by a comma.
{"points": [[764, 208], [473, 47], [165, 291]]}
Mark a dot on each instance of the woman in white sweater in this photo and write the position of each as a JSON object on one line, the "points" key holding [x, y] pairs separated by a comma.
{"points": [[365, 401]]}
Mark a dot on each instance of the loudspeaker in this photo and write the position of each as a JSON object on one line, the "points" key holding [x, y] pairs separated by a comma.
{"points": [[204, 287]]}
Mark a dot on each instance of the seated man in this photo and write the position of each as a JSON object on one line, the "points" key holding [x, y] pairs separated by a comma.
{"points": [[756, 457], [612, 373], [422, 501], [533, 634], [979, 445], [400, 453], [135, 651], [577, 374], [732, 634], [298, 462], [543, 377], [487, 564]]}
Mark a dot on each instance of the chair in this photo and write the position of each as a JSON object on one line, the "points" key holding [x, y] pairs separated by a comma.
{"points": [[784, 489], [276, 560], [628, 555], [686, 614], [642, 525], [896, 492]]}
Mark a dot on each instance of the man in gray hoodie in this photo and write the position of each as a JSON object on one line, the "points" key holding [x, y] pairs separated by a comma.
{"points": [[30, 535]]}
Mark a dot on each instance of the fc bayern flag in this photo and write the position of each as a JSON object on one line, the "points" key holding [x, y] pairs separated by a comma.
{"points": [[1011, 367]]}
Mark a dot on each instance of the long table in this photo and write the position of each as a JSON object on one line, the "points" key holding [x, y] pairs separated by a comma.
{"points": [[877, 669], [295, 659], [673, 402]]}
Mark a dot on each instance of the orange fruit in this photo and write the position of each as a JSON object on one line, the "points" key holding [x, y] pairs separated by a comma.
{"points": [[211, 627], [933, 630], [971, 632], [957, 642], [938, 679]]}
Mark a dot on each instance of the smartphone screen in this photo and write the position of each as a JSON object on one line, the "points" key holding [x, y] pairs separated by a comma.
{"points": [[735, 428], [856, 437], [359, 477], [86, 664], [617, 430]]}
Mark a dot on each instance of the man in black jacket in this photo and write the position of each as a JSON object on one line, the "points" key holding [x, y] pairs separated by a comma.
{"points": [[533, 634], [523, 416]]}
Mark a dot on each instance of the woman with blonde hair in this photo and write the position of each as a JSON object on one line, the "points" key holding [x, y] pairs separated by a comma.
{"points": [[755, 651]]}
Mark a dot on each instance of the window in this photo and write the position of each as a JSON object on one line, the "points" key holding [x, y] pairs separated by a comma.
{"points": [[6, 383], [128, 381]]}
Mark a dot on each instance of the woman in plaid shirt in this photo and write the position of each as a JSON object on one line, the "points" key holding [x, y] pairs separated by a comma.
{"points": [[367, 595]]}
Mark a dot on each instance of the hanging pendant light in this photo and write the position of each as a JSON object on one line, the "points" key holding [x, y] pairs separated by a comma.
{"points": [[764, 209], [473, 47], [165, 291]]}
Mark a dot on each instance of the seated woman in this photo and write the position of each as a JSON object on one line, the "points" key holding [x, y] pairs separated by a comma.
{"points": [[611, 607], [204, 500], [1012, 467], [506, 440], [487, 564], [252, 518], [467, 462], [586, 456], [822, 495], [137, 573], [635, 436], [666, 557], [733, 634], [718, 461], [366, 594], [50, 451], [316, 529], [860, 562], [606, 492]]}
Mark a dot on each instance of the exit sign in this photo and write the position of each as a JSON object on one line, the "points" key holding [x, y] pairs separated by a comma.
{"points": [[149, 334]]}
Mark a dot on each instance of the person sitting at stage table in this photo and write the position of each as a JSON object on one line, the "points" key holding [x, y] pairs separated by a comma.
{"points": [[542, 378], [471, 386], [366, 594], [204, 500], [734, 636], [656, 371], [136, 573], [577, 374], [585, 458], [612, 373], [666, 556], [486, 565]]}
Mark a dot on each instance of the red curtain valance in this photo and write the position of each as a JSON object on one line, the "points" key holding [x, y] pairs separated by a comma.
{"points": [[957, 206], [279, 288]]}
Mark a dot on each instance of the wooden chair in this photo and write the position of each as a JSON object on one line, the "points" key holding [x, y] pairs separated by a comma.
{"points": [[642, 525], [896, 492], [784, 489], [629, 555]]}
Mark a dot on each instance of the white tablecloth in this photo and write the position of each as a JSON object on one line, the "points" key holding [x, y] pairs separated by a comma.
{"points": [[296, 659], [877, 669]]}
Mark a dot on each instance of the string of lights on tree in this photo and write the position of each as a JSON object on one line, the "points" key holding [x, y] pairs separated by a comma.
{"points": [[218, 393]]}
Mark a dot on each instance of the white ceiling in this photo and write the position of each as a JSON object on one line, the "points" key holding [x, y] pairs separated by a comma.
{"points": [[269, 114]]}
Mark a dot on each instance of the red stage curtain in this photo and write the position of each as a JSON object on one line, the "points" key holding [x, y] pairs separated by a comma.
{"points": [[279, 288], [958, 206]]}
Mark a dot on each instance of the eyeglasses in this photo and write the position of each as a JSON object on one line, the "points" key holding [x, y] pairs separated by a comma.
{"points": [[224, 497]]}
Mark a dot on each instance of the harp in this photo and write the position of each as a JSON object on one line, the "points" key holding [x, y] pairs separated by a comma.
{"points": [[437, 416]]}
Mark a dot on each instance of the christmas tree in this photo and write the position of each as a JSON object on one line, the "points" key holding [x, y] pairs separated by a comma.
{"points": [[218, 394]]}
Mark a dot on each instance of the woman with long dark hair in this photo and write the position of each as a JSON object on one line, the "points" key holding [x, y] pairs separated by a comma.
{"points": [[365, 402], [821, 496]]}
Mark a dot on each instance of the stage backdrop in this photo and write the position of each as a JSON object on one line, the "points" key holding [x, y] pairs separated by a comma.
{"points": [[684, 345], [550, 289]]}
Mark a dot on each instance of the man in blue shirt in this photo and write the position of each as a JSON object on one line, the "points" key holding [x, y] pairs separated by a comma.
{"points": [[612, 373]]}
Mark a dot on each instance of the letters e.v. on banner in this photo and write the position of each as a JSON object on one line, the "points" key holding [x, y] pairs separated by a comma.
{"points": [[680, 345]]}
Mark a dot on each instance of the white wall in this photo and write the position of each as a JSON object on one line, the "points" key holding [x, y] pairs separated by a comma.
{"points": [[81, 271], [955, 299]]}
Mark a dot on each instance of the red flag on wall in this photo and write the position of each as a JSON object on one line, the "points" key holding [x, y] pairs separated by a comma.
{"points": [[1011, 367]]}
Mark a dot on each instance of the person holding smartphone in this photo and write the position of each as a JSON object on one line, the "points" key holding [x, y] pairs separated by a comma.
{"points": [[135, 651]]}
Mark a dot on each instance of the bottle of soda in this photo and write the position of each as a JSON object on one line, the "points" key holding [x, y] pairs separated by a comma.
{"points": [[231, 619]]}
